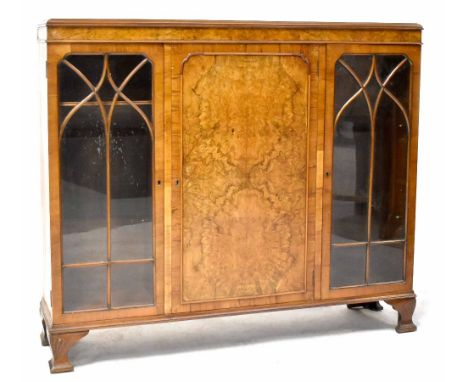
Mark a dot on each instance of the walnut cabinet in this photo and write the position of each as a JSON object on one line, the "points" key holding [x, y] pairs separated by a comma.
{"points": [[200, 168]]}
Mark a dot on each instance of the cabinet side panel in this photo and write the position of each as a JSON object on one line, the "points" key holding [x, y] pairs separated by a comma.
{"points": [[47, 280], [244, 176]]}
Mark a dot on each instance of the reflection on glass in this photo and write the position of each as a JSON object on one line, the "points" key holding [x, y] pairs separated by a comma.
{"points": [[132, 284], [383, 80], [347, 266], [92, 147], [83, 188], [71, 86], [399, 83], [84, 288], [359, 63], [140, 85], [386, 63], [390, 164], [386, 262], [351, 173], [131, 186], [347, 86]]}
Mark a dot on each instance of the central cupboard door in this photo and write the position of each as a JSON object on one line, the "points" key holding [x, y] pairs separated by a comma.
{"points": [[243, 174]]}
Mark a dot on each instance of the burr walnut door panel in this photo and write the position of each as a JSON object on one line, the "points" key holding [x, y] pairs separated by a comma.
{"points": [[243, 151]]}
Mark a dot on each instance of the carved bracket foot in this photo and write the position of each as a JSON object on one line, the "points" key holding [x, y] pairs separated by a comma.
{"points": [[373, 305], [405, 308], [44, 337], [61, 343]]}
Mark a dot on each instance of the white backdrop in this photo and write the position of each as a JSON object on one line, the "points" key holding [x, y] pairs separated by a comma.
{"points": [[311, 344]]}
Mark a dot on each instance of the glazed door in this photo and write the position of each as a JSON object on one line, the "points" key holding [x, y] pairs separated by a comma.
{"points": [[244, 132], [106, 191], [369, 200]]}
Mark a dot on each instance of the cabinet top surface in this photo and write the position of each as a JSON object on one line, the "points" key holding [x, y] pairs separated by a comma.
{"points": [[229, 24], [229, 31]]}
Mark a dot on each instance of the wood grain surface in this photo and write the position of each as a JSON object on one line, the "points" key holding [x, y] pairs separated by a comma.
{"points": [[244, 175], [232, 32]]}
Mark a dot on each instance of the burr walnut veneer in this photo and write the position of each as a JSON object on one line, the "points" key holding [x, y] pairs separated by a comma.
{"points": [[202, 168]]}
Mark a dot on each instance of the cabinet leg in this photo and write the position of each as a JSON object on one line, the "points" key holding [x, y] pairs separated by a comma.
{"points": [[373, 305], [405, 308], [44, 337], [61, 343]]}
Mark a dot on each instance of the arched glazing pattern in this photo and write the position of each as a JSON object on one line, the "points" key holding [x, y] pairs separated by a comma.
{"points": [[370, 160], [106, 151]]}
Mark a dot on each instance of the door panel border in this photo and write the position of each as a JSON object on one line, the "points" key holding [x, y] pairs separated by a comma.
{"points": [[176, 57]]}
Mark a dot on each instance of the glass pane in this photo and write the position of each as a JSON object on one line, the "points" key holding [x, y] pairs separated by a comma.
{"points": [[71, 87], [351, 149], [147, 110], [386, 262], [386, 63], [390, 166], [360, 64], [84, 288], [63, 112], [399, 84], [132, 284], [347, 266], [373, 89], [83, 188], [131, 186], [348, 86], [106, 91], [139, 87], [351, 168]]}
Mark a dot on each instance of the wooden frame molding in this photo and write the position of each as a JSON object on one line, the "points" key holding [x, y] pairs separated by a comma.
{"points": [[89, 23], [233, 32], [242, 131]]}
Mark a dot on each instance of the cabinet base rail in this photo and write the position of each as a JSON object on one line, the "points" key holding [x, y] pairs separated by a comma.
{"points": [[61, 338]]}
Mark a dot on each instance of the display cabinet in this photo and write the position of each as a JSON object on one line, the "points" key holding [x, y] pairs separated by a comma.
{"points": [[202, 168]]}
